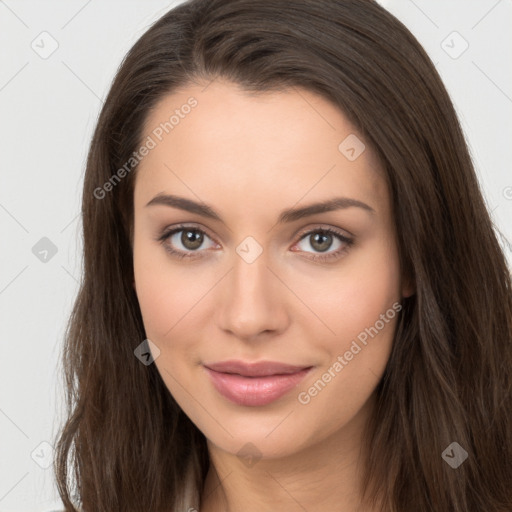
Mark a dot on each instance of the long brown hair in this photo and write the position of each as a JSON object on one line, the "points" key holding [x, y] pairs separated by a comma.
{"points": [[126, 445]]}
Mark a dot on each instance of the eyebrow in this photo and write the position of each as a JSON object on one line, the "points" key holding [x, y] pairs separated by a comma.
{"points": [[288, 215]]}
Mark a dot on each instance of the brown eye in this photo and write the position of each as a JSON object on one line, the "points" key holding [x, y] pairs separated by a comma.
{"points": [[185, 242], [321, 240], [191, 239]]}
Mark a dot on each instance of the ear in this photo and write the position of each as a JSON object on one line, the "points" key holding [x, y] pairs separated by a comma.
{"points": [[408, 287]]}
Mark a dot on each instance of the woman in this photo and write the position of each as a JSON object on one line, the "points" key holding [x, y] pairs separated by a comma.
{"points": [[293, 296]]}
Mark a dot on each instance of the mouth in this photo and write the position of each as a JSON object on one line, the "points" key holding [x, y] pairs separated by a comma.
{"points": [[255, 384]]}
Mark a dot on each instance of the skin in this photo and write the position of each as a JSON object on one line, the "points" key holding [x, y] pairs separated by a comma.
{"points": [[250, 157]]}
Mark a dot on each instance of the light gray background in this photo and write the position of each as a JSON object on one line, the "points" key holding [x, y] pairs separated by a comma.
{"points": [[48, 109]]}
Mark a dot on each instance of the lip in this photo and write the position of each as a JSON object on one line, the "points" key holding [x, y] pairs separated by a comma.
{"points": [[255, 384]]}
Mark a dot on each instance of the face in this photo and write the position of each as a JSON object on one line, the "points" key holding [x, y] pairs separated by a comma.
{"points": [[236, 279]]}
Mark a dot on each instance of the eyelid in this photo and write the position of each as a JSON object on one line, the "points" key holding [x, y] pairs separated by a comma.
{"points": [[325, 227], [169, 230]]}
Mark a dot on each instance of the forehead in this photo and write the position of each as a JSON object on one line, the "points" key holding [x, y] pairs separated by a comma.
{"points": [[280, 146]]}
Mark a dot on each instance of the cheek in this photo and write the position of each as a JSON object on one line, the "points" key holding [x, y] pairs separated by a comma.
{"points": [[354, 296], [359, 306], [165, 291], [167, 308], [172, 299]]}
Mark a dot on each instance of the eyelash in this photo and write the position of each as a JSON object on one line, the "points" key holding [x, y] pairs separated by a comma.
{"points": [[167, 233]]}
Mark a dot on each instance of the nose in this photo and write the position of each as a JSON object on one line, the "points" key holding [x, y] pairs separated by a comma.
{"points": [[252, 300]]}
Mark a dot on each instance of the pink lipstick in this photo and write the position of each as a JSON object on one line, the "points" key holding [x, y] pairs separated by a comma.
{"points": [[254, 384]]}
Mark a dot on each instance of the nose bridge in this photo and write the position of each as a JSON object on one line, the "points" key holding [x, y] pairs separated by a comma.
{"points": [[250, 277], [251, 299]]}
